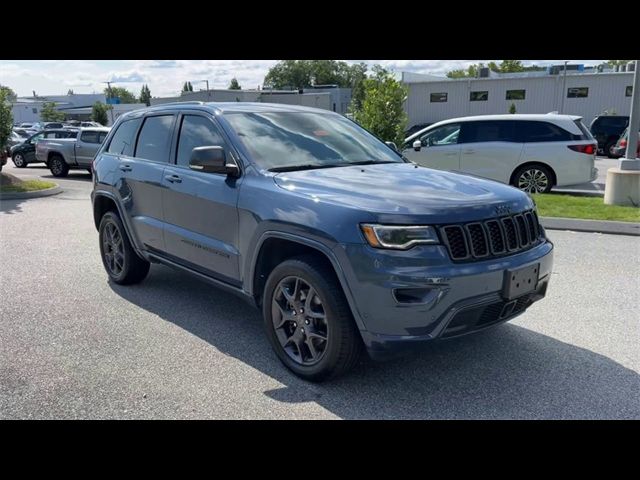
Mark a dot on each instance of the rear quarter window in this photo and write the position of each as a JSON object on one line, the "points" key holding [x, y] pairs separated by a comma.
{"points": [[532, 132]]}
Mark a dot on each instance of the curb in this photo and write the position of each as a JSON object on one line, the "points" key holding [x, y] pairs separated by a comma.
{"points": [[38, 193], [591, 226], [579, 193]]}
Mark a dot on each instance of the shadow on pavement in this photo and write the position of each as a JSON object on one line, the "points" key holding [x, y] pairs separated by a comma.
{"points": [[507, 372], [11, 206]]}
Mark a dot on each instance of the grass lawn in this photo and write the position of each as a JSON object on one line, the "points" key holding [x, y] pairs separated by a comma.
{"points": [[27, 186], [589, 208]]}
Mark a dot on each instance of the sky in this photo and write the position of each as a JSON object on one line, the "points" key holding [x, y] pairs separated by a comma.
{"points": [[166, 77]]}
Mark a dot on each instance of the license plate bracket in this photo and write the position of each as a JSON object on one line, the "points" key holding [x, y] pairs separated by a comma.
{"points": [[520, 281]]}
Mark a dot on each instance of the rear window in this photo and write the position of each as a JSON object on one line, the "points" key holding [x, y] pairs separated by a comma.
{"points": [[530, 132], [123, 140], [586, 134]]}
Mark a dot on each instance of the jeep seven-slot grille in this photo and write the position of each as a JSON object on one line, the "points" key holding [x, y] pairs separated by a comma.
{"points": [[495, 237]]}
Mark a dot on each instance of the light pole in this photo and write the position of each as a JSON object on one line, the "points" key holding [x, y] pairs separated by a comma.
{"points": [[207, 82], [110, 96], [623, 183], [564, 86]]}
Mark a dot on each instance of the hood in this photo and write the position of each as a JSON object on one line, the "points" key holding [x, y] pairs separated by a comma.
{"points": [[405, 189]]}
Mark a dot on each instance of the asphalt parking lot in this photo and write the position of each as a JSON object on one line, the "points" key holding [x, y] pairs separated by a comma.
{"points": [[73, 345]]}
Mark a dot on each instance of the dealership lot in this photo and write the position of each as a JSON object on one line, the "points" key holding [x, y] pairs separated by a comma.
{"points": [[72, 345]]}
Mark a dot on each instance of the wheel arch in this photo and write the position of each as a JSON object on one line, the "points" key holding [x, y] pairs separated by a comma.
{"points": [[104, 202], [554, 177]]}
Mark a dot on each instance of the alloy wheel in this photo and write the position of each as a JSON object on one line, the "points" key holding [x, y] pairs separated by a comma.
{"points": [[113, 249], [18, 160], [533, 181], [56, 166], [299, 320]]}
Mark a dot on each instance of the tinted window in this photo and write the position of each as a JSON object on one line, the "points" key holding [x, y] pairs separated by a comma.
{"points": [[90, 137], [516, 94], [479, 96], [438, 97], [488, 131], [196, 131], [444, 135], [154, 138], [618, 122], [123, 140], [290, 139], [577, 92], [542, 132]]}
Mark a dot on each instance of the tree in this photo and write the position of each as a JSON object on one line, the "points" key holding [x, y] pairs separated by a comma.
{"points": [[99, 113], [505, 66], [512, 108], [9, 94], [234, 85], [123, 94], [615, 63], [50, 114], [6, 118], [70, 91], [187, 87], [298, 74], [145, 95], [382, 109]]}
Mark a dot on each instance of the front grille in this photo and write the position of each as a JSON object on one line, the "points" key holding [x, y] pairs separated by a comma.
{"points": [[495, 237]]}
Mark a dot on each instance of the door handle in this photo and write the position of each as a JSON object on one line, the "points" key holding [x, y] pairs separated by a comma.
{"points": [[125, 168], [468, 151], [173, 178]]}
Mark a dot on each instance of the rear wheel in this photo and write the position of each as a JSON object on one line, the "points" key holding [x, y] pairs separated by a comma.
{"points": [[58, 166], [122, 263], [19, 161], [308, 320], [608, 150], [533, 179]]}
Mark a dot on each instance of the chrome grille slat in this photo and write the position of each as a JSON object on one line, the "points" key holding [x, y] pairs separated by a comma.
{"points": [[494, 237]]}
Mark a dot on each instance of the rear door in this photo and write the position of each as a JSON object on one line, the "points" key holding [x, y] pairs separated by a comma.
{"points": [[490, 149], [439, 148], [200, 208]]}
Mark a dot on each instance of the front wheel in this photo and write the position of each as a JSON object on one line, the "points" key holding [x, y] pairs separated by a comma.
{"points": [[122, 263], [533, 179], [308, 320], [19, 161], [58, 166]]}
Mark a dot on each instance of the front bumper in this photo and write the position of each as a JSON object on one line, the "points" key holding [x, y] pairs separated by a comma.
{"points": [[453, 298]]}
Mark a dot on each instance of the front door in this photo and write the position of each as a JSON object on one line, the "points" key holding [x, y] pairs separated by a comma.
{"points": [[200, 209], [439, 148]]}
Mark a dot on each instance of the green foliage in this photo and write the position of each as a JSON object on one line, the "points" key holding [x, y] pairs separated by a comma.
{"points": [[298, 74], [145, 95], [99, 113], [123, 94], [50, 114], [613, 63], [512, 108], [187, 87], [382, 107], [6, 118], [8, 93], [234, 85], [506, 66]]}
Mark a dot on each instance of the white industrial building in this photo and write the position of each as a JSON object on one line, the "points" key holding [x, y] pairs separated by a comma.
{"points": [[583, 91]]}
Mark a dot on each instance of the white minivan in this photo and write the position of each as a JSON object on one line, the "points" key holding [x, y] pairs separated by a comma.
{"points": [[530, 152]]}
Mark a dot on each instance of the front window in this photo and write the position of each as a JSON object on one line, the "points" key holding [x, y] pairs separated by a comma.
{"points": [[292, 140], [444, 135]]}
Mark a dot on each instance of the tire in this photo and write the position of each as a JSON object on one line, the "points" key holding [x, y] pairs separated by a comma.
{"points": [[608, 150], [58, 166], [342, 345], [121, 262], [533, 178], [19, 161]]}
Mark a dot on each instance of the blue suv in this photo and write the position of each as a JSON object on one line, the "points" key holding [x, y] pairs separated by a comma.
{"points": [[342, 243]]}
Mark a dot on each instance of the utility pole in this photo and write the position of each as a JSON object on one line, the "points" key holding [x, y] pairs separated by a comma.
{"points": [[631, 162], [110, 96], [564, 87]]}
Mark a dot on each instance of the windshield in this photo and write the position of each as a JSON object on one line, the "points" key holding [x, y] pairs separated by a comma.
{"points": [[281, 141]]}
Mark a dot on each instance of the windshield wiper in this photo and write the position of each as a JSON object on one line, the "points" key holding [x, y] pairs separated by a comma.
{"points": [[371, 162], [308, 166]]}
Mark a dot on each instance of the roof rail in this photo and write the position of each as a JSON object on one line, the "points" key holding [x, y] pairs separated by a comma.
{"points": [[191, 102]]}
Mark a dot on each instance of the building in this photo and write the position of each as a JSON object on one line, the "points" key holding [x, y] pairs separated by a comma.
{"points": [[76, 107], [585, 91]]}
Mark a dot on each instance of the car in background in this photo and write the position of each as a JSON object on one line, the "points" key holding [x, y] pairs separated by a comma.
{"points": [[14, 139], [25, 125], [77, 152], [607, 129], [25, 153], [531, 152], [620, 149], [416, 128], [23, 132]]}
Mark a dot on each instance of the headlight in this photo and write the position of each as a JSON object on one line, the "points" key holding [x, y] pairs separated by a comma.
{"points": [[399, 237]]}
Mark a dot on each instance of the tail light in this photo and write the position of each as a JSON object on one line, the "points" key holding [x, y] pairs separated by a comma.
{"points": [[622, 143], [589, 149]]}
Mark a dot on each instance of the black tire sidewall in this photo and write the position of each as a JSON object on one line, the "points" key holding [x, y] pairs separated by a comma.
{"points": [[111, 217], [300, 269], [64, 169]]}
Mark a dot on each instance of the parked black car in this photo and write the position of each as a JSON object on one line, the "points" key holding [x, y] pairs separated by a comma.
{"points": [[25, 152], [607, 130]]}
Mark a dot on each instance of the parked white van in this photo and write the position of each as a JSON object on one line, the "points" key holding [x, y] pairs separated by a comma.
{"points": [[531, 152]]}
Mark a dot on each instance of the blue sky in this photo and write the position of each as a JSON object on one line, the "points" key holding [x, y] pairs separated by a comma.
{"points": [[165, 77]]}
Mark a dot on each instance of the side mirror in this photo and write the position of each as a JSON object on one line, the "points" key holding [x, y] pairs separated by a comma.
{"points": [[417, 145], [392, 145], [212, 159]]}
